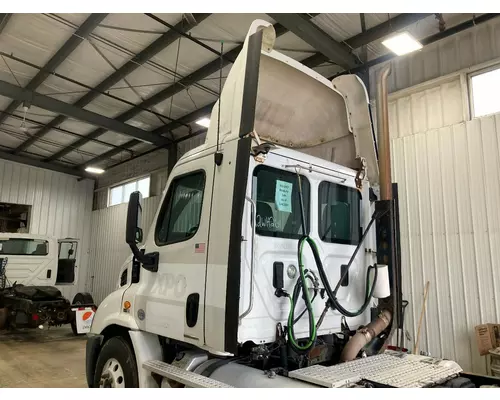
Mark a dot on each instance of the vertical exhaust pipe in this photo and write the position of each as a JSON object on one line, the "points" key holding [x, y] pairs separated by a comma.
{"points": [[365, 335], [386, 195], [384, 143]]}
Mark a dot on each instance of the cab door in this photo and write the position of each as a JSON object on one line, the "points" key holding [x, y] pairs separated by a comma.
{"points": [[171, 301], [66, 262]]}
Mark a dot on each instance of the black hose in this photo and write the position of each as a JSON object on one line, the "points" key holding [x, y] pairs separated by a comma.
{"points": [[331, 295], [347, 313], [353, 256], [295, 296]]}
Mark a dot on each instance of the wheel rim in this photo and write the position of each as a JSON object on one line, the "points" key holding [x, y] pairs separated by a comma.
{"points": [[112, 375]]}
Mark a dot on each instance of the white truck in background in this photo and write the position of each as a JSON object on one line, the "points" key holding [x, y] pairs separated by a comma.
{"points": [[273, 260], [31, 266]]}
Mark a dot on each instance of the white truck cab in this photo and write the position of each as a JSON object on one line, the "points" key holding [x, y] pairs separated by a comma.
{"points": [[261, 261], [33, 269], [39, 260]]}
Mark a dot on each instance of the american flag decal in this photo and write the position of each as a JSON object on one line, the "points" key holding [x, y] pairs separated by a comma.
{"points": [[199, 248]]}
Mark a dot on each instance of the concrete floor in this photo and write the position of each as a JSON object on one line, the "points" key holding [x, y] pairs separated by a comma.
{"points": [[51, 358]]}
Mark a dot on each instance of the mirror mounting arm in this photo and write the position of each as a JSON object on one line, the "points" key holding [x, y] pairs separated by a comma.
{"points": [[149, 261]]}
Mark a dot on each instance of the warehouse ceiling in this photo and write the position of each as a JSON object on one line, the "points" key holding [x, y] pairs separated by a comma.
{"points": [[79, 90]]}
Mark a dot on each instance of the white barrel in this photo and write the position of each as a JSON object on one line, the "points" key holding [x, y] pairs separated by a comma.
{"points": [[382, 286]]}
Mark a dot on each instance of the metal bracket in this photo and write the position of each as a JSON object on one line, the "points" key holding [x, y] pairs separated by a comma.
{"points": [[310, 169], [361, 174], [260, 151]]}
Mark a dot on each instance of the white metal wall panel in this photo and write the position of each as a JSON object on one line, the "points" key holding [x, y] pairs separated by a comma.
{"points": [[108, 249], [187, 145], [448, 173], [60, 206], [466, 49], [426, 109]]}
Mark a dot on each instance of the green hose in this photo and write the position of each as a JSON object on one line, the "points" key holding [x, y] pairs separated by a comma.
{"points": [[312, 325]]}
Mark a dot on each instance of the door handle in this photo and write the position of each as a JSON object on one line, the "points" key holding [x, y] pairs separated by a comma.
{"points": [[252, 257], [192, 307]]}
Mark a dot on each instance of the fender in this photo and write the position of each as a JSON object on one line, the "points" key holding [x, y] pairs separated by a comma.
{"points": [[110, 312], [116, 318], [147, 347]]}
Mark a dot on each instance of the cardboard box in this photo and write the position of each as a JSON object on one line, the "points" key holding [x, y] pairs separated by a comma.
{"points": [[487, 337]]}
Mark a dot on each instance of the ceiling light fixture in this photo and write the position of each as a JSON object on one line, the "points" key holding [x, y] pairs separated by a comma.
{"points": [[402, 43], [204, 122], [94, 170]]}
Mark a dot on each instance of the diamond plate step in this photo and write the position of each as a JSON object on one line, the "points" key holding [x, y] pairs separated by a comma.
{"points": [[187, 378], [391, 368]]}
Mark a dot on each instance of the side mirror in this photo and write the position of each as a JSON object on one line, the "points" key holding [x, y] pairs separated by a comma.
{"points": [[133, 234]]}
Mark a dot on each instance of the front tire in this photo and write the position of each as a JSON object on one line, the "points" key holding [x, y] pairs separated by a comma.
{"points": [[116, 366]]}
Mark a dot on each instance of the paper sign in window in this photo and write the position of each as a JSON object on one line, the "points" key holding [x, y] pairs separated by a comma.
{"points": [[283, 197]]}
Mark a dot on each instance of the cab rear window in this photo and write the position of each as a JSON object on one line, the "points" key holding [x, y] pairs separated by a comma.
{"points": [[24, 247], [339, 213], [276, 193]]}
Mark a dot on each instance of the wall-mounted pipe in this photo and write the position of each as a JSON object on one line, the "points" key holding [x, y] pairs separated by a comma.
{"points": [[384, 143]]}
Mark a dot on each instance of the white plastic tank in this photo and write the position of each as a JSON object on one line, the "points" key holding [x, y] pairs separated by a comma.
{"points": [[382, 286]]}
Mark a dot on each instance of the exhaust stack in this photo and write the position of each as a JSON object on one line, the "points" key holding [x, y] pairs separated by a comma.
{"points": [[384, 144]]}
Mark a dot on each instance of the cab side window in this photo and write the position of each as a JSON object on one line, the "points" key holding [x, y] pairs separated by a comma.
{"points": [[180, 214]]}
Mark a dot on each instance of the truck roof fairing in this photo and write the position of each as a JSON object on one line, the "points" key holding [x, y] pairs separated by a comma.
{"points": [[290, 105]]}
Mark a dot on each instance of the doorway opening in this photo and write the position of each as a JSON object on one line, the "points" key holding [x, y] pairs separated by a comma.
{"points": [[14, 218]]}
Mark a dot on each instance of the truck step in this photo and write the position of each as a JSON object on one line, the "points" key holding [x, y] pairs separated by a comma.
{"points": [[390, 368], [187, 378]]}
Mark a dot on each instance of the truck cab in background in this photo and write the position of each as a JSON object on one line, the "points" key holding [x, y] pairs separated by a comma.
{"points": [[272, 260], [32, 267], [39, 260]]}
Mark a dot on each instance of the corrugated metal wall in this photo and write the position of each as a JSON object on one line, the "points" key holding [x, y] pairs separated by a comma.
{"points": [[108, 250], [61, 207], [431, 108], [447, 168], [448, 171], [187, 145]]}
